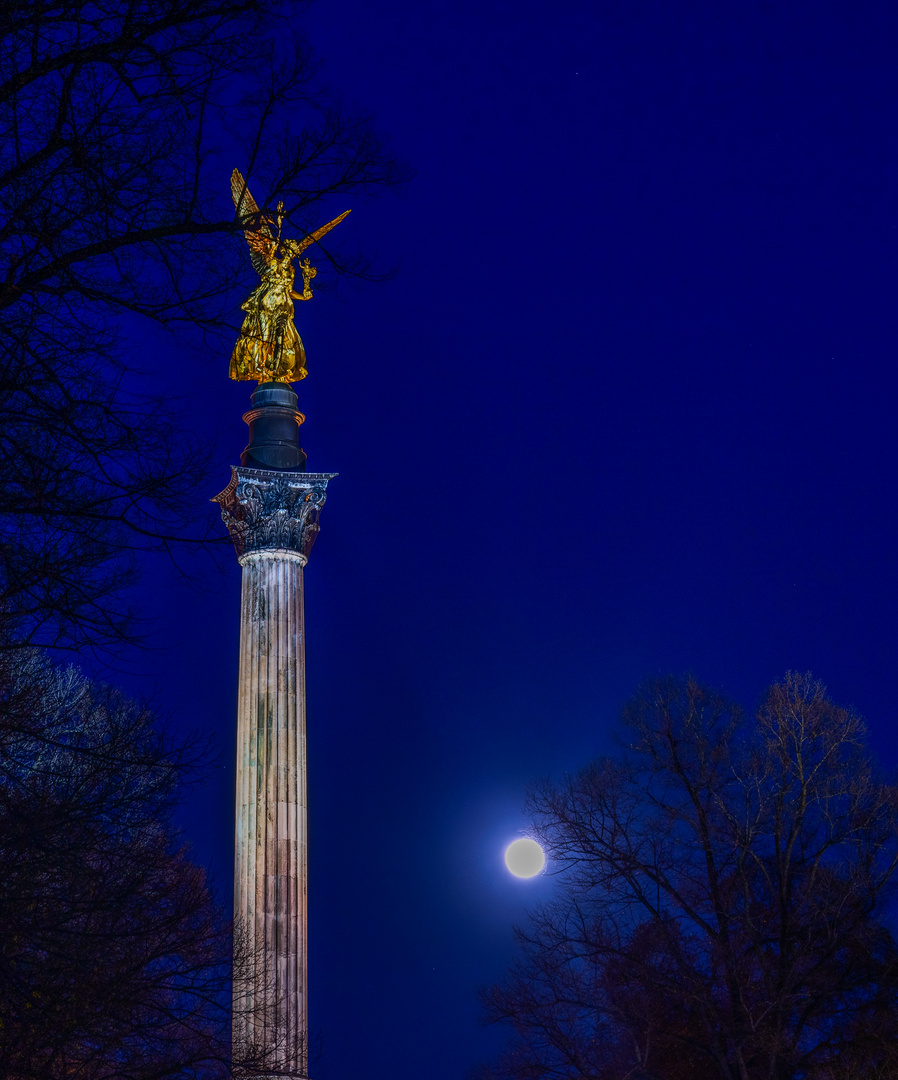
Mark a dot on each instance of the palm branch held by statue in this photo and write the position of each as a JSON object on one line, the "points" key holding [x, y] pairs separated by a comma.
{"points": [[269, 348]]}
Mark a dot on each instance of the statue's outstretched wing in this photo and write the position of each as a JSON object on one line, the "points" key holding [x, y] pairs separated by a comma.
{"points": [[297, 247], [260, 237]]}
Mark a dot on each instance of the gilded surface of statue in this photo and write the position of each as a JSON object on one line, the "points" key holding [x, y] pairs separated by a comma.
{"points": [[269, 348]]}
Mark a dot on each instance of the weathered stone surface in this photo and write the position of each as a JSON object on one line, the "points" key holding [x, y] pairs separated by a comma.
{"points": [[273, 519], [268, 510]]}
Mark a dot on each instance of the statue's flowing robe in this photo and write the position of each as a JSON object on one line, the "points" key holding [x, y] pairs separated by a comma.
{"points": [[269, 348]]}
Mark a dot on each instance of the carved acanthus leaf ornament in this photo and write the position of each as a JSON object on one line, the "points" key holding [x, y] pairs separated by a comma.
{"points": [[271, 511]]}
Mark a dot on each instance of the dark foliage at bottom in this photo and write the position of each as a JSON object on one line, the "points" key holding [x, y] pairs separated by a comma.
{"points": [[115, 960]]}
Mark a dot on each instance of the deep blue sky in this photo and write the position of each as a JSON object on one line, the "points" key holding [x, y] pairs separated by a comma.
{"points": [[627, 408]]}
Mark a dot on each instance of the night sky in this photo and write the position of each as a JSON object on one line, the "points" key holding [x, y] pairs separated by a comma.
{"points": [[626, 408]]}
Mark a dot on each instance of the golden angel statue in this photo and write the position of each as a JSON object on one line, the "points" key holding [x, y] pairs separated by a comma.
{"points": [[269, 349]]}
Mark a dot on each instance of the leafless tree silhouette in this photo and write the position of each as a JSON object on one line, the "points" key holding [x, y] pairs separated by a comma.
{"points": [[115, 205], [722, 887], [115, 958]]}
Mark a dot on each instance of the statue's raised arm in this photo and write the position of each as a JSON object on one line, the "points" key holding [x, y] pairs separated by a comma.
{"points": [[269, 349]]}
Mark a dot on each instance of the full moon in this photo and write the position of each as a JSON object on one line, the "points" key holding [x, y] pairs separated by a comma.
{"points": [[524, 857]]}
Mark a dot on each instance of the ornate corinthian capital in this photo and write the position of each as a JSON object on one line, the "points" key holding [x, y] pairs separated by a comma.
{"points": [[273, 511]]}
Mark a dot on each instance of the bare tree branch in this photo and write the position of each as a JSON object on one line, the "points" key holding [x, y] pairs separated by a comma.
{"points": [[114, 201], [723, 885]]}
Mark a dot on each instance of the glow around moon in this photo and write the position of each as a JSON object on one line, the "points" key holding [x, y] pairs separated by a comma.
{"points": [[524, 857]]}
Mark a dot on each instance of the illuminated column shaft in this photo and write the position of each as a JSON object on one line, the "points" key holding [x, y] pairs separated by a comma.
{"points": [[270, 840], [273, 519]]}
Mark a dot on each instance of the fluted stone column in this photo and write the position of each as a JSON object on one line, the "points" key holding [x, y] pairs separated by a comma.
{"points": [[272, 517]]}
